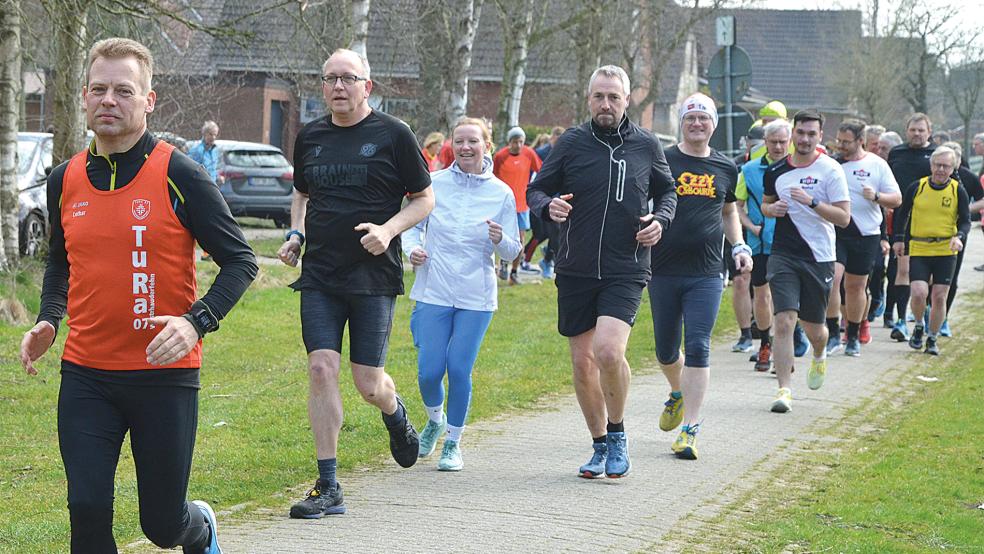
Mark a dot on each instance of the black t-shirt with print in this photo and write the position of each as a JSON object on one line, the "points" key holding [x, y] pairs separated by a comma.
{"points": [[354, 175], [693, 244]]}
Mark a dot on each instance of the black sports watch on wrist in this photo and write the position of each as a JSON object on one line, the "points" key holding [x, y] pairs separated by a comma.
{"points": [[814, 203], [202, 318]]}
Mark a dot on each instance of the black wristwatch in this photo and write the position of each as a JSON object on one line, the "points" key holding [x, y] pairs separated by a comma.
{"points": [[814, 203], [201, 316]]}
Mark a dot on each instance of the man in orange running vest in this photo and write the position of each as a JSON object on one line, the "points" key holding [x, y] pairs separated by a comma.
{"points": [[122, 265]]}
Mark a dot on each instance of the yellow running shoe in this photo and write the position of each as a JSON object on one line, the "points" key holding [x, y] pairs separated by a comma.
{"points": [[672, 415], [818, 370], [685, 445], [783, 402]]}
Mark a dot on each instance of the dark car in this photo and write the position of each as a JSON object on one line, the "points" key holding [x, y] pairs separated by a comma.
{"points": [[255, 179], [34, 164]]}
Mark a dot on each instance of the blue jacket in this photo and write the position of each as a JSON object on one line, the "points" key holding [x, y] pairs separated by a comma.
{"points": [[209, 159], [753, 172]]}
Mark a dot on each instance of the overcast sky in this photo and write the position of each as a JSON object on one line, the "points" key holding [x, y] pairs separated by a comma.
{"points": [[971, 11]]}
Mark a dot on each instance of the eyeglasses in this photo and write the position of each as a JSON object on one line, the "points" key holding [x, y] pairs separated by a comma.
{"points": [[692, 118], [943, 167], [347, 80], [840, 142]]}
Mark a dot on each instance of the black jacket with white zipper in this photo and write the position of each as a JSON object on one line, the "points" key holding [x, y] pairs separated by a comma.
{"points": [[612, 173]]}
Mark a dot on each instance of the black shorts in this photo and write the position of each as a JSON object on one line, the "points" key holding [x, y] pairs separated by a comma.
{"points": [[935, 269], [801, 286], [582, 300], [858, 254], [760, 266], [370, 320], [730, 269]]}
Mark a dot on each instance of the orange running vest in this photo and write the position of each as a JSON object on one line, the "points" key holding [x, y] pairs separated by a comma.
{"points": [[130, 258]]}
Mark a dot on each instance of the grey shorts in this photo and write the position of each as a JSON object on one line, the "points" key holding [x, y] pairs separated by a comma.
{"points": [[799, 285]]}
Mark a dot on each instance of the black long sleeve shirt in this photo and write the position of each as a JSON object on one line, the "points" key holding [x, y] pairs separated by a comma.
{"points": [[198, 205], [613, 175]]}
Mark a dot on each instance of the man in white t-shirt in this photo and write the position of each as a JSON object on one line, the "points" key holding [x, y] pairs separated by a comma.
{"points": [[807, 195], [872, 186]]}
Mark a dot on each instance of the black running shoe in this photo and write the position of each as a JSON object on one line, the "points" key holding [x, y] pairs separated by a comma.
{"points": [[931, 347], [404, 441], [321, 501]]}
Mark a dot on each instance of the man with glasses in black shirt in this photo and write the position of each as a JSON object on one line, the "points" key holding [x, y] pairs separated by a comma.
{"points": [[352, 170]]}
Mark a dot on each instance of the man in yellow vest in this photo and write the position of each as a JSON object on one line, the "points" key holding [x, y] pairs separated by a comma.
{"points": [[932, 224]]}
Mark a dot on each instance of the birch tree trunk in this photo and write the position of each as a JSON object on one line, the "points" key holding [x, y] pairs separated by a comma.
{"points": [[516, 23], [460, 62], [69, 25], [360, 25], [10, 90]]}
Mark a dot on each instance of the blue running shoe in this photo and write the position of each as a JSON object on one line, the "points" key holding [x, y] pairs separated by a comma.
{"points": [[546, 269], [744, 344], [900, 333], [213, 528], [877, 309], [945, 329], [617, 465], [800, 342], [596, 465], [833, 344]]}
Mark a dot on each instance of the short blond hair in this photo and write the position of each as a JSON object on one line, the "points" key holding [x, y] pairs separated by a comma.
{"points": [[119, 48], [435, 137]]}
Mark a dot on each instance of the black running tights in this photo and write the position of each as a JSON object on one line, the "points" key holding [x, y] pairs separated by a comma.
{"points": [[93, 418]]}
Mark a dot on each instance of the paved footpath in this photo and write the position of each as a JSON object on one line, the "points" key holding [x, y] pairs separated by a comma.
{"points": [[518, 491]]}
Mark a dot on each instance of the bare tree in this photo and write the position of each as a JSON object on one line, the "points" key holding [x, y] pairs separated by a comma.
{"points": [[360, 25], [445, 33], [931, 38], [525, 24], [69, 26], [874, 83], [10, 92], [963, 86]]}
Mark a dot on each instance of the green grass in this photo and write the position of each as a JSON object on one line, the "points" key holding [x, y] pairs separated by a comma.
{"points": [[912, 483], [254, 444]]}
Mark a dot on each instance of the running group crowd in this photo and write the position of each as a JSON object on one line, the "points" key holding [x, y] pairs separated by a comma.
{"points": [[807, 235]]}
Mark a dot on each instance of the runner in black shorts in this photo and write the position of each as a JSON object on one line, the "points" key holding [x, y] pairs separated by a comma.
{"points": [[352, 170], [597, 184], [936, 210], [685, 291], [760, 231], [872, 187], [807, 194]]}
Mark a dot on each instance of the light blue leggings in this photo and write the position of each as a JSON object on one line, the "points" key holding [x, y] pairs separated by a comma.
{"points": [[447, 341]]}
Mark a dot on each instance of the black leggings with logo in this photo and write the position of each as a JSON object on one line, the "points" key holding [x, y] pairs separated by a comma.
{"points": [[93, 417]]}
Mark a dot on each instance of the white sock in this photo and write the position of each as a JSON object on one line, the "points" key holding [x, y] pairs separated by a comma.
{"points": [[436, 414], [454, 433], [822, 357]]}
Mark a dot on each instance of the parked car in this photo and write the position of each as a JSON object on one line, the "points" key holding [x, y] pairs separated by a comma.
{"points": [[255, 179], [34, 164]]}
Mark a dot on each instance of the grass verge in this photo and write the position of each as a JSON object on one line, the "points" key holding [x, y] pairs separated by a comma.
{"points": [[254, 444], [907, 477]]}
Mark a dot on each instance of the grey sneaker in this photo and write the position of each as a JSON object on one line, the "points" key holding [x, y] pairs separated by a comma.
{"points": [[428, 437], [321, 501]]}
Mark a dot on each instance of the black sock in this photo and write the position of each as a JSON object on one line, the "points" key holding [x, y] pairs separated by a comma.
{"points": [[746, 332], [853, 330], [616, 427], [833, 326], [599, 440], [326, 471], [902, 300], [766, 339], [395, 418]]}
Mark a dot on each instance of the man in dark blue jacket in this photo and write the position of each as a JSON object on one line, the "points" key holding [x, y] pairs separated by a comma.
{"points": [[603, 174]]}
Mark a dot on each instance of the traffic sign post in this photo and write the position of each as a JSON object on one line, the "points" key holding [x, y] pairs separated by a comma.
{"points": [[729, 76]]}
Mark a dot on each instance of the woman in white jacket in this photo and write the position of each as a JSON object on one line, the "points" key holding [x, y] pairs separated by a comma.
{"points": [[453, 251]]}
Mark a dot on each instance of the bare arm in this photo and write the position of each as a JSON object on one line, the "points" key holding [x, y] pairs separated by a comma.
{"points": [[378, 237], [746, 221], [838, 213]]}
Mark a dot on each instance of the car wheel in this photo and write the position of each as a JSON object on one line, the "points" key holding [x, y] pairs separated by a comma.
{"points": [[32, 235]]}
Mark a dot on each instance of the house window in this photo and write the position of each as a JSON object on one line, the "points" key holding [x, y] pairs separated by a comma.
{"points": [[312, 107]]}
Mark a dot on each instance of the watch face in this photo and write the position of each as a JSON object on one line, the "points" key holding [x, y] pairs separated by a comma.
{"points": [[204, 321]]}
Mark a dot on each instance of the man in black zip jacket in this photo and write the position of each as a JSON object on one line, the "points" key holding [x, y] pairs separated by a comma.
{"points": [[597, 185]]}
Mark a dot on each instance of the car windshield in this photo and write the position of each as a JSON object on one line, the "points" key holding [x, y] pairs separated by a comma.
{"points": [[256, 158], [25, 155]]}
